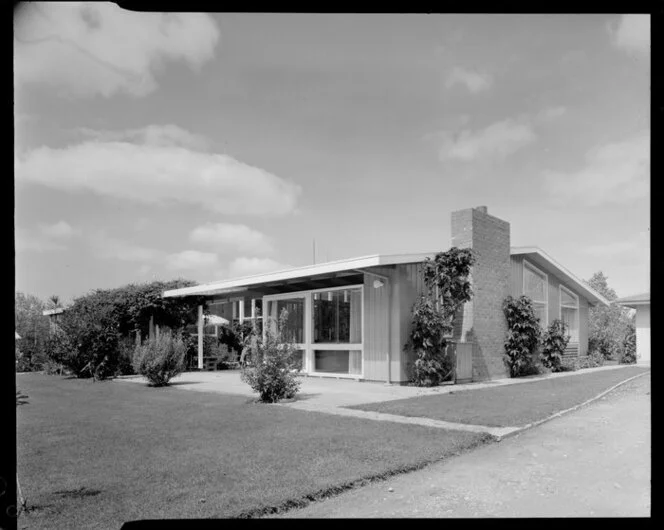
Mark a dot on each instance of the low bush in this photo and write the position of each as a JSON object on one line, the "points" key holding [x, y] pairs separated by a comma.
{"points": [[592, 360], [523, 335], [554, 342], [274, 368], [161, 358]]}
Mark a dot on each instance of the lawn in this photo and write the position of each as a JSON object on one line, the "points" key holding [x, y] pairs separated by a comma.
{"points": [[507, 406], [94, 455]]}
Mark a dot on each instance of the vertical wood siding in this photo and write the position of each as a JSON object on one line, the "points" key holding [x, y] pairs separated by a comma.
{"points": [[387, 320], [410, 285], [376, 326]]}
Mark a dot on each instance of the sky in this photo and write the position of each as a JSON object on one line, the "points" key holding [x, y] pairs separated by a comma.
{"points": [[155, 146]]}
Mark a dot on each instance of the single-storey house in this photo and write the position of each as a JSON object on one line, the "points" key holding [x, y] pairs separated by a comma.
{"points": [[351, 318], [641, 303]]}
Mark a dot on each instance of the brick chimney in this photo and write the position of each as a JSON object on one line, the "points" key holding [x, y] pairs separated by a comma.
{"points": [[482, 321]]}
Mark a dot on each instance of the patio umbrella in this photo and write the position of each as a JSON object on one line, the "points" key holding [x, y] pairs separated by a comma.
{"points": [[216, 320]]}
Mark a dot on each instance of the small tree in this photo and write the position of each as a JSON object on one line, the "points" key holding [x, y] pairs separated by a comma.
{"points": [[554, 342], [607, 326], [161, 358], [523, 335], [446, 278], [274, 364], [629, 347]]}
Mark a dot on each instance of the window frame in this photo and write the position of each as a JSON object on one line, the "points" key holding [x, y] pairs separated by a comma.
{"points": [[562, 288], [309, 346], [533, 269]]}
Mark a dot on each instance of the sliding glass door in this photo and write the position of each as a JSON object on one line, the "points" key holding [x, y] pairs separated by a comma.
{"points": [[325, 325], [337, 331], [294, 326]]}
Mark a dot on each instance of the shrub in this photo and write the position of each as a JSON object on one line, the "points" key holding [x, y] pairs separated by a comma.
{"points": [[274, 369], [629, 347], [432, 365], [523, 335], [126, 347], [554, 342], [161, 358], [61, 353], [448, 288]]}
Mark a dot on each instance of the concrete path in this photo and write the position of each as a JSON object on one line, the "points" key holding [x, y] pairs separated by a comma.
{"points": [[594, 462]]}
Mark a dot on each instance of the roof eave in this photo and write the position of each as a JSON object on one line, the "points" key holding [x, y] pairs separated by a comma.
{"points": [[591, 295]]}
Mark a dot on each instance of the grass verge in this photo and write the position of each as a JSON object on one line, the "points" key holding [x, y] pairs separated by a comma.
{"points": [[507, 406]]}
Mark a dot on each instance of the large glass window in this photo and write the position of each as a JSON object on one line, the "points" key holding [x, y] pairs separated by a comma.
{"points": [[338, 361], [569, 312], [535, 286], [337, 316], [294, 326]]}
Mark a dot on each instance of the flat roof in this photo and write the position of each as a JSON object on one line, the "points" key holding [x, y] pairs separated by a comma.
{"points": [[635, 300], [237, 284], [542, 258], [365, 262]]}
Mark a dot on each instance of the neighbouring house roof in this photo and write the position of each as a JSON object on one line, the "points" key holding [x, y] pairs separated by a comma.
{"points": [[635, 300], [56, 311], [16, 335], [542, 259], [340, 266]]}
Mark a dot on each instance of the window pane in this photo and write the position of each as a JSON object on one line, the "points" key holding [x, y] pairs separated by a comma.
{"points": [[535, 286], [247, 308], [338, 362], [567, 299], [294, 326], [540, 312], [337, 316], [298, 357], [258, 307], [569, 318]]}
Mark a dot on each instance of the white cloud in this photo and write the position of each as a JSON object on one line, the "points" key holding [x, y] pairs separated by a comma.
{"points": [[61, 229], [231, 237], [28, 240], [46, 237], [628, 248], [108, 247], [551, 113], [153, 135], [632, 33], [473, 80], [160, 173], [249, 266], [617, 172], [191, 260], [498, 140], [89, 48]]}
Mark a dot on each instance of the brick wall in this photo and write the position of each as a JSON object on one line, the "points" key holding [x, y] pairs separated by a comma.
{"points": [[482, 321]]}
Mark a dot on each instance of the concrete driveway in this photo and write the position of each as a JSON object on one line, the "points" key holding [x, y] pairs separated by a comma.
{"points": [[594, 462]]}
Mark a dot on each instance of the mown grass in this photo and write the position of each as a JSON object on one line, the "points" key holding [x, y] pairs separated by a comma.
{"points": [[95, 455], [507, 406]]}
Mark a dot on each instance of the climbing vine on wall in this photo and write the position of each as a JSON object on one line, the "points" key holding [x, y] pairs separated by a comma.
{"points": [[447, 282]]}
